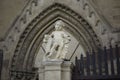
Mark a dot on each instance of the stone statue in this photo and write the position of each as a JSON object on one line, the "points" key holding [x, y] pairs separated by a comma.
{"points": [[57, 42]]}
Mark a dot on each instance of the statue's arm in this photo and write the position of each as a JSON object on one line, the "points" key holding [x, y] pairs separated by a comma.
{"points": [[66, 38]]}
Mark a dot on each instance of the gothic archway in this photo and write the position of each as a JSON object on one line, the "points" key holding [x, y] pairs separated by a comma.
{"points": [[31, 39]]}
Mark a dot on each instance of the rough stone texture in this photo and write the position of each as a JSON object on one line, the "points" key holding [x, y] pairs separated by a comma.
{"points": [[110, 9], [9, 10]]}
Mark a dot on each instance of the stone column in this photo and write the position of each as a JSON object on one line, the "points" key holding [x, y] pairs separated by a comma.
{"points": [[41, 72], [57, 70], [66, 70]]}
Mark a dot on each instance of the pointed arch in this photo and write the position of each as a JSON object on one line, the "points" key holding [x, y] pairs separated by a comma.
{"points": [[32, 36]]}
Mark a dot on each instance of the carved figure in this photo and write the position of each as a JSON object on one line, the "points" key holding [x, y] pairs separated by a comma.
{"points": [[57, 42]]}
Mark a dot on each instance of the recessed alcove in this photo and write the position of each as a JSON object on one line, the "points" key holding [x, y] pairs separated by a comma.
{"points": [[75, 49]]}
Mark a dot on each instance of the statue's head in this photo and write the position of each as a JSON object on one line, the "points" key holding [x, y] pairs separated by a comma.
{"points": [[59, 25]]}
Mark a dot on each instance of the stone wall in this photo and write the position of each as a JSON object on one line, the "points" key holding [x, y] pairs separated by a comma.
{"points": [[21, 42]]}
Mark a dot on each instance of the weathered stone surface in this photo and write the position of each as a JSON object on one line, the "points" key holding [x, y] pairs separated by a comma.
{"points": [[55, 70], [57, 42], [84, 21]]}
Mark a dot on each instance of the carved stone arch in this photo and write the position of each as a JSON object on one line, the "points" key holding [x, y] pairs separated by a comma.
{"points": [[32, 36]]}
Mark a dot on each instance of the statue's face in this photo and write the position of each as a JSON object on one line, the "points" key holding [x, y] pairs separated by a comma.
{"points": [[59, 25]]}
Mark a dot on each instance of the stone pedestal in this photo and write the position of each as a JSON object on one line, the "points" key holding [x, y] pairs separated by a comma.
{"points": [[41, 72], [55, 70], [66, 70]]}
